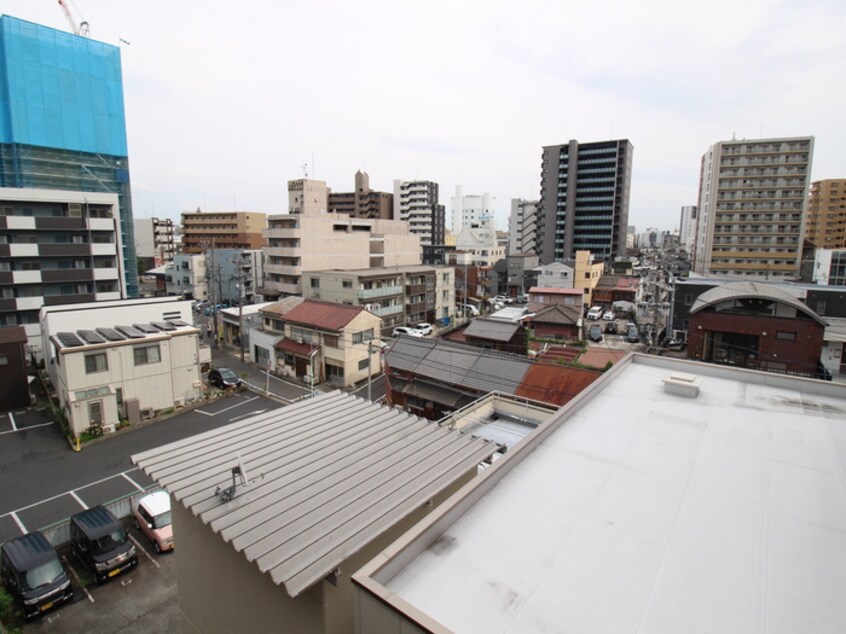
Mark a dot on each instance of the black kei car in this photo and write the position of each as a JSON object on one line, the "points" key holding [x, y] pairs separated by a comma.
{"points": [[223, 378], [34, 575], [595, 333]]}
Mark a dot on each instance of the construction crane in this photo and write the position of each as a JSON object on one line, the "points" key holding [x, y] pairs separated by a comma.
{"points": [[82, 28]]}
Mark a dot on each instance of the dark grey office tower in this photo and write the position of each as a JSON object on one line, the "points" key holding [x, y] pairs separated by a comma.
{"points": [[584, 199]]}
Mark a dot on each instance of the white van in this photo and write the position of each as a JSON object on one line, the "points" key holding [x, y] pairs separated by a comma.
{"points": [[595, 312], [469, 309]]}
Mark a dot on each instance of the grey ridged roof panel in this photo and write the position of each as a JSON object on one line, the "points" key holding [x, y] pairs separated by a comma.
{"points": [[407, 352], [448, 363], [498, 372], [491, 329], [327, 476]]}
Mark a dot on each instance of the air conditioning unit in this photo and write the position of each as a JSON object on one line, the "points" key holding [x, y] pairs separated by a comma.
{"points": [[108, 429], [299, 339], [148, 412], [179, 402]]}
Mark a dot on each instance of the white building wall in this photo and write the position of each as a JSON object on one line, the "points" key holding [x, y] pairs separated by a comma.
{"points": [[468, 209]]}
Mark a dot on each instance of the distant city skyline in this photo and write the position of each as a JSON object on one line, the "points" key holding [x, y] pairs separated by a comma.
{"points": [[225, 104]]}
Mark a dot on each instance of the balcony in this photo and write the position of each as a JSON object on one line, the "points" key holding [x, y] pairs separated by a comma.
{"points": [[282, 232], [282, 269], [385, 291], [386, 311], [26, 277], [106, 274]]}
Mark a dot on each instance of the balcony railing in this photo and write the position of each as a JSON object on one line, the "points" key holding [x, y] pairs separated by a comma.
{"points": [[370, 293]]}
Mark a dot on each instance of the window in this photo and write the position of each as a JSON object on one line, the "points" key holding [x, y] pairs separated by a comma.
{"points": [[363, 364], [362, 337], [96, 363], [347, 283], [330, 341], [786, 336], [147, 354], [688, 299], [4, 359], [315, 282], [95, 413]]}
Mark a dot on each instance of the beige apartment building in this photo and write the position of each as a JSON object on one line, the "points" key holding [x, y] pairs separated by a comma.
{"points": [[222, 230], [586, 274], [752, 200], [825, 226], [301, 242], [399, 295]]}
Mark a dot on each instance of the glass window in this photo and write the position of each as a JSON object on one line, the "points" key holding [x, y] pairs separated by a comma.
{"points": [[147, 354], [362, 365], [95, 412], [363, 336], [96, 363], [786, 336]]}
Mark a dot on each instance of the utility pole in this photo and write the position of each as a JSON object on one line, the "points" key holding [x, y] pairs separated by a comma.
{"points": [[369, 369]]}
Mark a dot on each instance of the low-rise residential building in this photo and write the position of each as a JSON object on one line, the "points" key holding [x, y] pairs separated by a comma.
{"points": [[399, 295], [120, 372], [433, 377], [586, 274], [558, 321], [57, 247], [759, 326], [496, 334], [616, 288], [187, 277], [664, 499], [276, 512], [155, 242], [553, 275], [830, 267], [519, 273], [318, 342], [541, 297]]}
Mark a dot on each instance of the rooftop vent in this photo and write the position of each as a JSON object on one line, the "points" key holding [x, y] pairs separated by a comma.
{"points": [[682, 384]]}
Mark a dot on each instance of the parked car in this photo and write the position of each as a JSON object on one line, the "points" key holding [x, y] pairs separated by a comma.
{"points": [[406, 330], [595, 312], [101, 544], [224, 378], [608, 315], [632, 335], [34, 575], [595, 333], [503, 299], [611, 328], [423, 328], [469, 310], [152, 517], [201, 305], [522, 298]]}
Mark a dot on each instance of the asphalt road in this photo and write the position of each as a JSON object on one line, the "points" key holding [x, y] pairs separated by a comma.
{"points": [[37, 464]]}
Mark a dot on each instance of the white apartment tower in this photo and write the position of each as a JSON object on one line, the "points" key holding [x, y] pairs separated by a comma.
{"points": [[470, 209], [752, 200], [416, 203], [522, 225], [687, 227]]}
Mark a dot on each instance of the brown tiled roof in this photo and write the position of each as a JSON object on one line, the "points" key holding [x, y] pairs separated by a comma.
{"points": [[323, 315], [288, 345], [556, 384], [558, 314]]}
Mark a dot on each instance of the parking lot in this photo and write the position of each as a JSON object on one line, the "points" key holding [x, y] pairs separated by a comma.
{"points": [[44, 482]]}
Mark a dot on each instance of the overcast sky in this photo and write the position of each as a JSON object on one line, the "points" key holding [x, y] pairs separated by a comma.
{"points": [[225, 101]]}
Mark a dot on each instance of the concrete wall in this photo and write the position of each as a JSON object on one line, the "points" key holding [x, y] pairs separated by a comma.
{"points": [[220, 591]]}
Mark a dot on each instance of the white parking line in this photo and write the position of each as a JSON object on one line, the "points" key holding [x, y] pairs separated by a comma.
{"points": [[78, 499], [78, 582], [144, 550], [56, 497], [12, 418], [19, 522], [12, 431], [132, 482], [226, 409]]}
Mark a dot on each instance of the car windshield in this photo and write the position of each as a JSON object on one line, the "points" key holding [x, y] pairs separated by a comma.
{"points": [[43, 574], [227, 375], [161, 520], [108, 542]]}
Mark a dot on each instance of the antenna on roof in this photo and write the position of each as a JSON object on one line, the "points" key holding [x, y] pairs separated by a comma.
{"points": [[226, 495]]}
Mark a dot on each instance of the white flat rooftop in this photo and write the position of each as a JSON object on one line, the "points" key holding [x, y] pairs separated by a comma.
{"points": [[649, 512]]}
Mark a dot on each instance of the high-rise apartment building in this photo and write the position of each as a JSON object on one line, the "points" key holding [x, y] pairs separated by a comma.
{"points": [[584, 199], [62, 123], [470, 209], [222, 230], [825, 225], [56, 247], [416, 203], [687, 227], [363, 202], [522, 226], [752, 200]]}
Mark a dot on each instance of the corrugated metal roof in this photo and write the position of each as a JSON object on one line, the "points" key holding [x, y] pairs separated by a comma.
{"points": [[459, 364], [556, 384], [327, 476], [737, 290], [494, 330], [558, 314]]}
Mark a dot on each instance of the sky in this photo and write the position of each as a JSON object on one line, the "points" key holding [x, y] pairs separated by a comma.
{"points": [[227, 101]]}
